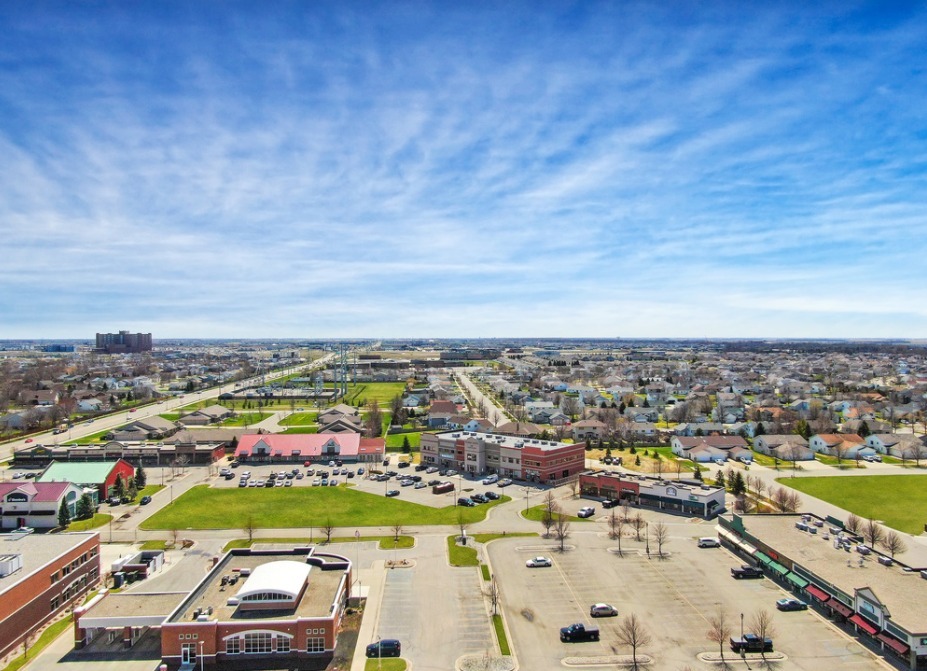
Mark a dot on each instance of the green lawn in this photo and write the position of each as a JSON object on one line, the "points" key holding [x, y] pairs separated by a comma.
{"points": [[301, 429], [458, 555], [205, 508], [394, 440], [843, 463], [385, 664], [381, 392], [43, 641], [246, 418], [154, 545], [300, 419], [98, 520], [536, 514], [898, 500], [500, 635]]}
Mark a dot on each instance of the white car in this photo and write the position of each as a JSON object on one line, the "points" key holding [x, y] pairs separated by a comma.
{"points": [[872, 457], [588, 511], [602, 610], [539, 562], [504, 482], [492, 479]]}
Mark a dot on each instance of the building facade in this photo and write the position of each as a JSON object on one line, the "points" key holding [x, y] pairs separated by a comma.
{"points": [[509, 456], [685, 497], [123, 342], [36, 504], [42, 575]]}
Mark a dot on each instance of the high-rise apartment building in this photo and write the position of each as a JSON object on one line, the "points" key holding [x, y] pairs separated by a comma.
{"points": [[123, 342]]}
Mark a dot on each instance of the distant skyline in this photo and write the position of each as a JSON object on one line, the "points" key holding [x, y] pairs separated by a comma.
{"points": [[431, 169]]}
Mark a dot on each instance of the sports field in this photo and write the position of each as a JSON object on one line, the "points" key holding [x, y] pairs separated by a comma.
{"points": [[900, 501]]}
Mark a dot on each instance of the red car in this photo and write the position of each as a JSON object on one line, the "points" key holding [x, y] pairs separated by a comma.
{"points": [[28, 440]]}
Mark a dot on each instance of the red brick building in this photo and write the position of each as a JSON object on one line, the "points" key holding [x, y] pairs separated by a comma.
{"points": [[509, 456], [40, 577]]}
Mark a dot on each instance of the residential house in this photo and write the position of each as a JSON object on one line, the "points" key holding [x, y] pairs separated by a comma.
{"points": [[706, 447], [149, 428], [212, 414], [523, 429], [589, 428], [89, 405], [843, 445], [900, 445], [636, 414], [479, 424], [786, 447], [39, 397]]}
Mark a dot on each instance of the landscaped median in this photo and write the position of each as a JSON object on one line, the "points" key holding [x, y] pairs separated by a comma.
{"points": [[384, 542], [203, 507]]}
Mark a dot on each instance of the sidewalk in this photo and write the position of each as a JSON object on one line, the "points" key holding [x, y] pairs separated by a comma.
{"points": [[371, 586]]}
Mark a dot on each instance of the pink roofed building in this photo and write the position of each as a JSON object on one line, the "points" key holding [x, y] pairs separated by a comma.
{"points": [[36, 504], [302, 447]]}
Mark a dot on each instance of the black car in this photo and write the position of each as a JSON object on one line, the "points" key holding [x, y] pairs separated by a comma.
{"points": [[464, 501], [479, 498], [492, 496], [432, 483], [393, 492], [610, 503], [388, 647], [420, 467], [145, 500]]}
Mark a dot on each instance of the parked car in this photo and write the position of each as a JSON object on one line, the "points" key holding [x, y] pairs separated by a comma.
{"points": [[539, 562], [420, 485], [478, 498], [491, 479], [464, 501], [492, 496], [751, 643], [578, 632], [709, 542], [872, 457], [504, 482], [360, 470], [610, 503], [746, 571], [791, 604], [406, 482], [393, 492], [316, 482], [585, 512], [602, 610], [145, 500], [387, 647]]}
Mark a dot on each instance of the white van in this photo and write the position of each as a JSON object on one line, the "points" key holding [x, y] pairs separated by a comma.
{"points": [[709, 542]]}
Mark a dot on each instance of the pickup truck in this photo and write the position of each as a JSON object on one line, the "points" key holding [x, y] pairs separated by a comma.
{"points": [[578, 632], [746, 571], [751, 643]]}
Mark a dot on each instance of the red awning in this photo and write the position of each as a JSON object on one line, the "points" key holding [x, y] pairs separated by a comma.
{"points": [[817, 593], [894, 644], [840, 608], [862, 624]]}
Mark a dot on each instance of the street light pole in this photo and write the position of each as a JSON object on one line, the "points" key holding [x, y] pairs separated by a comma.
{"points": [[202, 656]]}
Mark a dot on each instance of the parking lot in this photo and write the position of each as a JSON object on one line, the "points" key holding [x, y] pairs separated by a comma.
{"points": [[463, 486], [674, 597]]}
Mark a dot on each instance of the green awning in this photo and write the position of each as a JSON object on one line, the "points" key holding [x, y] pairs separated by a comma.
{"points": [[797, 580], [777, 567], [762, 558]]}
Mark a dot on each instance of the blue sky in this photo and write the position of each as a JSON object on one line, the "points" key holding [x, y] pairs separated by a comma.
{"points": [[352, 169]]}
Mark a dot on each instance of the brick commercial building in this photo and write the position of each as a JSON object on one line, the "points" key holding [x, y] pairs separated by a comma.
{"points": [[256, 609], [509, 456], [101, 475], [41, 575], [301, 447], [685, 497]]}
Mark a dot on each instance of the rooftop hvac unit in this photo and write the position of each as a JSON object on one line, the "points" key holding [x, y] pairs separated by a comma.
{"points": [[10, 564]]}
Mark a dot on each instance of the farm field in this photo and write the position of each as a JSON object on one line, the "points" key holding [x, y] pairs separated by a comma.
{"points": [[898, 500]]}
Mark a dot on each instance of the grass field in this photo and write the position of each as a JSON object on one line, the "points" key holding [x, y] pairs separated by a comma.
{"points": [[458, 555], [246, 418], [95, 522], [381, 392], [385, 664], [500, 635], [385, 542], [301, 429], [394, 440], [536, 514], [300, 419], [205, 508], [898, 500]]}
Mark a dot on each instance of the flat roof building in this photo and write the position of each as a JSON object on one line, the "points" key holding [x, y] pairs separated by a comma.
{"points": [[42, 575], [509, 456], [686, 497], [879, 599], [256, 609]]}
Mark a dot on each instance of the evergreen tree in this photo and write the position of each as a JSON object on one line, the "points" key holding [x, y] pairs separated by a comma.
{"points": [[720, 481], [132, 490], [738, 486], [84, 507], [633, 450], [699, 432], [697, 473], [119, 489], [646, 403], [863, 430], [406, 448], [621, 408], [637, 460], [64, 515], [760, 430], [802, 429], [141, 479]]}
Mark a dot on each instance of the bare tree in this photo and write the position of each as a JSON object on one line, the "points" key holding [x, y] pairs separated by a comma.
{"points": [[397, 532], [761, 622], [574, 486], [894, 543], [327, 529], [249, 529], [657, 466], [842, 451], [792, 502], [660, 533], [719, 630], [638, 523], [780, 498], [561, 529], [873, 533], [550, 513], [462, 524], [616, 525], [854, 524], [632, 633], [759, 489]]}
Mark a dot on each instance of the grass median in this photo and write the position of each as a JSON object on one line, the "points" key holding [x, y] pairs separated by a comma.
{"points": [[279, 508]]}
